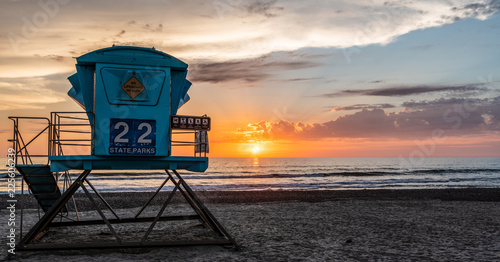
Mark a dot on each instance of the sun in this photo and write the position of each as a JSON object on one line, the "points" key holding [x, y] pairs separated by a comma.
{"points": [[255, 149]]}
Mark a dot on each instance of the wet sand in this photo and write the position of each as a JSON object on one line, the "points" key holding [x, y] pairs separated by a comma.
{"points": [[364, 225]]}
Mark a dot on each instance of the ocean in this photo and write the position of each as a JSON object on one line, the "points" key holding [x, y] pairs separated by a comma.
{"points": [[307, 174]]}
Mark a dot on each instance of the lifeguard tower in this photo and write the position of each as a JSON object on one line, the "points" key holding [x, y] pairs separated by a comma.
{"points": [[130, 97]]}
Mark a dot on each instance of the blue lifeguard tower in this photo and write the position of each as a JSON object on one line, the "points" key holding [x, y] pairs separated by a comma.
{"points": [[130, 97]]}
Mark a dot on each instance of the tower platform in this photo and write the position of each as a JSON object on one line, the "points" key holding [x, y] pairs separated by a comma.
{"points": [[93, 162]]}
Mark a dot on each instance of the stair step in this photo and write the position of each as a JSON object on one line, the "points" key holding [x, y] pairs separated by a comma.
{"points": [[42, 184]]}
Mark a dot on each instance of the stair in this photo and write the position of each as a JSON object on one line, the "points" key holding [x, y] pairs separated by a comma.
{"points": [[42, 184]]}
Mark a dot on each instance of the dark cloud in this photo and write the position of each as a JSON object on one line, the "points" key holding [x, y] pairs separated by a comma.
{"points": [[303, 79], [443, 102], [362, 106], [265, 8], [494, 111], [410, 90], [451, 117], [153, 28], [57, 58], [249, 70], [226, 71], [122, 32], [477, 9], [144, 26]]}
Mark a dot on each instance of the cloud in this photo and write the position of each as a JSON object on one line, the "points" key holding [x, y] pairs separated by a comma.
{"points": [[453, 117], [443, 102], [480, 9], [58, 58], [28, 93], [362, 106], [35, 65], [200, 29], [265, 8], [340, 24], [251, 70], [410, 90], [226, 71], [122, 32], [153, 28], [303, 79]]}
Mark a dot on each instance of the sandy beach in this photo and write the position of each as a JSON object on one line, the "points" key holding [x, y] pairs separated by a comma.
{"points": [[390, 225]]}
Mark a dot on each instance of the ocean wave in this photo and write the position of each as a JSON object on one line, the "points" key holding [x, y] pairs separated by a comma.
{"points": [[454, 171], [263, 175]]}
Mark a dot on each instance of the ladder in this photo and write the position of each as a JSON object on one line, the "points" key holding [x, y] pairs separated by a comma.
{"points": [[42, 183]]}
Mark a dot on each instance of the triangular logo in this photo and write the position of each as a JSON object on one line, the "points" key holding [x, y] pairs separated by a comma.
{"points": [[133, 87]]}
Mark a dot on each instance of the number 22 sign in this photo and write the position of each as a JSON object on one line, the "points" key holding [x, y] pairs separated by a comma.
{"points": [[132, 137]]}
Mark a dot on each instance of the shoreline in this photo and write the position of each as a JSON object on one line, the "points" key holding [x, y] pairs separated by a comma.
{"points": [[136, 199]]}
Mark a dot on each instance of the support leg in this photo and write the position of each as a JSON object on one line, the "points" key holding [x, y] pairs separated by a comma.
{"points": [[151, 198], [211, 219], [179, 185], [159, 214], [100, 197], [101, 214], [203, 218], [42, 224]]}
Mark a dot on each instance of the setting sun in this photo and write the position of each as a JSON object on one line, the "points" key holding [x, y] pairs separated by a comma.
{"points": [[255, 149]]}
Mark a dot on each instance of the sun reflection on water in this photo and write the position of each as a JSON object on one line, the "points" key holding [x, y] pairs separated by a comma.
{"points": [[256, 162]]}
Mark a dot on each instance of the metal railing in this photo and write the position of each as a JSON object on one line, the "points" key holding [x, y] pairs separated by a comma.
{"points": [[200, 141], [21, 146], [70, 131], [66, 124], [54, 129]]}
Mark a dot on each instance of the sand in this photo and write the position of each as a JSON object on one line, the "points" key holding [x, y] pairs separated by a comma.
{"points": [[316, 226]]}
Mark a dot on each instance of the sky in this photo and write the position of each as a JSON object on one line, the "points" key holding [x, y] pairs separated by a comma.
{"points": [[406, 79]]}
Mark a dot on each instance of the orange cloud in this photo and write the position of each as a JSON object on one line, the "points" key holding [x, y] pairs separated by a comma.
{"points": [[451, 117]]}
